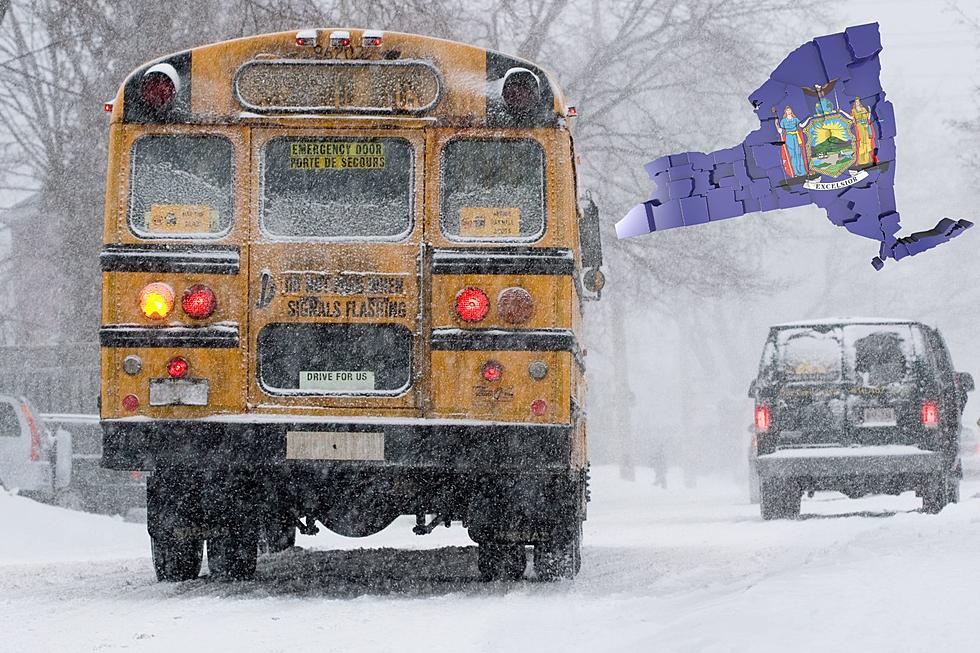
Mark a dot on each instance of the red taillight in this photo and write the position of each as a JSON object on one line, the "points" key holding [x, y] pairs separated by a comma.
{"points": [[177, 368], [930, 414], [158, 90], [131, 402], [762, 419], [107, 107], [539, 407], [472, 304], [198, 302], [35, 432], [492, 371]]}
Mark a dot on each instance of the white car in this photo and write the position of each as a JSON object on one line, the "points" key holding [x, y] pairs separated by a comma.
{"points": [[33, 461]]}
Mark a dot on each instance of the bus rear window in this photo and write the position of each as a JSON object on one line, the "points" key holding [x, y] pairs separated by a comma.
{"points": [[492, 190], [336, 188], [181, 187]]}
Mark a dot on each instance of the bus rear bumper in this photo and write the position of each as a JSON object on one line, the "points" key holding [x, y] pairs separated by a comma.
{"points": [[447, 445]]}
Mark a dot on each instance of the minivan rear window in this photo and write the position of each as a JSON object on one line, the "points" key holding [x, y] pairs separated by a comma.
{"points": [[810, 355]]}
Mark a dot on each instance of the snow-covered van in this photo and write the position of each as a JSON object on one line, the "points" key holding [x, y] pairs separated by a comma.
{"points": [[343, 280], [859, 406], [34, 461]]}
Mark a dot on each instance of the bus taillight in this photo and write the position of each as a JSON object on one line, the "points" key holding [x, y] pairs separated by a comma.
{"points": [[515, 305], [177, 367], [492, 371], [198, 302], [159, 86], [472, 304], [157, 300]]}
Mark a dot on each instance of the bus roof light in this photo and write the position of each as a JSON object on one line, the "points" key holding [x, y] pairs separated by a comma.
{"points": [[521, 90], [339, 39], [306, 38], [372, 38], [159, 86]]}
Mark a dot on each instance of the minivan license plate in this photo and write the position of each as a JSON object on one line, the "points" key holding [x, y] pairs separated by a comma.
{"points": [[879, 417]]}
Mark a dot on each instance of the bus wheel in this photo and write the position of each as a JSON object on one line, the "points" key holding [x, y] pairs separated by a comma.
{"points": [[176, 559], [559, 558], [277, 536], [232, 556], [498, 561]]}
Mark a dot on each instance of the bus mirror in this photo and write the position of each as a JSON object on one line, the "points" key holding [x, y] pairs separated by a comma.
{"points": [[594, 280], [588, 228]]}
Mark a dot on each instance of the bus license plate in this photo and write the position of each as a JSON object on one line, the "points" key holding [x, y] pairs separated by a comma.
{"points": [[178, 392], [879, 417], [334, 445]]}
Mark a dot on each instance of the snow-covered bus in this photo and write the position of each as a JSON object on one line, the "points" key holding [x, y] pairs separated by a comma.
{"points": [[343, 276]]}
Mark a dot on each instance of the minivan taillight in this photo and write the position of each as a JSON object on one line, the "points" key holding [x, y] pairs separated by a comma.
{"points": [[762, 419], [35, 433], [930, 415]]}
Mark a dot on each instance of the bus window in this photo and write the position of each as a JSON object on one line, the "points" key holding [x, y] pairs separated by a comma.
{"points": [[181, 186], [492, 190], [338, 188]]}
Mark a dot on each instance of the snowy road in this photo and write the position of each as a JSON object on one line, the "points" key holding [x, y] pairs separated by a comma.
{"points": [[663, 571]]}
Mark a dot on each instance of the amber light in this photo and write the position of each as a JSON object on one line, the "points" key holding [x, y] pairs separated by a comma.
{"points": [[157, 300], [762, 419], [177, 368], [198, 302], [515, 305], [472, 304]]}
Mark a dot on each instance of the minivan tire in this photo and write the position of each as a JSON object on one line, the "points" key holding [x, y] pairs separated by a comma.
{"points": [[779, 500], [940, 490]]}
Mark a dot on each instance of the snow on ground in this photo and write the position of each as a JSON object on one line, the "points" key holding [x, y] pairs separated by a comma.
{"points": [[677, 570]]}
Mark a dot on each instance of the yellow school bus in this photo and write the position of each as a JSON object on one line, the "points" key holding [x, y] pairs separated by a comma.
{"points": [[343, 276]]}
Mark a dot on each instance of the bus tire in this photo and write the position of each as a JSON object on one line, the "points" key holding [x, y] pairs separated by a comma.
{"points": [[497, 561], [277, 536], [232, 556], [176, 559], [560, 558], [779, 500]]}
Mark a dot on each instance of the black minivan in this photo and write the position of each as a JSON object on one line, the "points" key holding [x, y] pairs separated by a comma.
{"points": [[858, 406]]}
